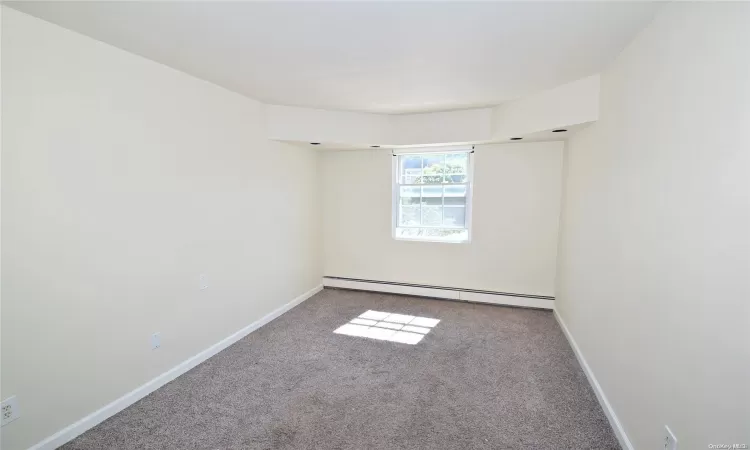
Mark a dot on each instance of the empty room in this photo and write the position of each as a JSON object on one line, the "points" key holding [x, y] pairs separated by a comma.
{"points": [[374, 225]]}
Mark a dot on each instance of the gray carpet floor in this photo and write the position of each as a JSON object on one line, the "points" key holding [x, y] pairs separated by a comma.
{"points": [[485, 377]]}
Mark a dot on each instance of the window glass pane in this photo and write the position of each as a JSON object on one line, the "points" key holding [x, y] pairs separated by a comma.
{"points": [[456, 163], [409, 216], [432, 216], [436, 210], [432, 191], [410, 169], [409, 195], [414, 191], [432, 195], [455, 195], [455, 201], [455, 191], [455, 216], [432, 168]]}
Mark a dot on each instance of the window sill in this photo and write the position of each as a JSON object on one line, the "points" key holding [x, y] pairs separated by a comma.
{"points": [[440, 241]]}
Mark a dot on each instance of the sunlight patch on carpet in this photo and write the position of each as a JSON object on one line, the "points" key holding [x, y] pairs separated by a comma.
{"points": [[386, 326]]}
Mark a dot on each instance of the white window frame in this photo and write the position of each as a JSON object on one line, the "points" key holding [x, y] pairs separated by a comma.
{"points": [[396, 184]]}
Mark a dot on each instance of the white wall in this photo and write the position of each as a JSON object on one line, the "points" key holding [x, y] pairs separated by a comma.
{"points": [[571, 104], [294, 123], [468, 125], [655, 239], [515, 219], [568, 105], [122, 181]]}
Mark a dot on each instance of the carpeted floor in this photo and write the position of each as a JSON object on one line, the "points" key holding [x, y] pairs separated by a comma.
{"points": [[485, 377]]}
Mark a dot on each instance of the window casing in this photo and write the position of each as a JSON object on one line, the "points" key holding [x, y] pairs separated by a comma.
{"points": [[432, 196]]}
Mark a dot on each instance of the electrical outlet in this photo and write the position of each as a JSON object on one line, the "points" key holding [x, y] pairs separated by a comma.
{"points": [[155, 341], [10, 411], [203, 282], [670, 441]]}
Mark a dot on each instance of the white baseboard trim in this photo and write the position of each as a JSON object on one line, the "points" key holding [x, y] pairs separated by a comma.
{"points": [[72, 431], [436, 292], [507, 300], [606, 406], [390, 288]]}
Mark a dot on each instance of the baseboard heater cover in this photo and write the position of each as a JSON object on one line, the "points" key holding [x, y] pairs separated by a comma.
{"points": [[452, 293]]}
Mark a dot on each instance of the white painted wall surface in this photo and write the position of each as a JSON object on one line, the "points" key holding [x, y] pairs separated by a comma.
{"points": [[122, 181], [293, 123], [468, 125], [654, 275], [515, 220], [570, 104]]}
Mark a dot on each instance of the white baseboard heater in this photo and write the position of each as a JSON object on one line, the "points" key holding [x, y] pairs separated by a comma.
{"points": [[421, 290]]}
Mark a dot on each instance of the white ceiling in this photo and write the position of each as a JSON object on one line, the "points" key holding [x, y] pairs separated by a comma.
{"points": [[385, 57]]}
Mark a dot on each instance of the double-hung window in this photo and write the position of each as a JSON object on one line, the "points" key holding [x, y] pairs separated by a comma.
{"points": [[432, 195]]}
